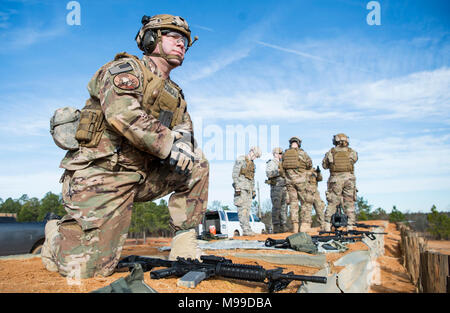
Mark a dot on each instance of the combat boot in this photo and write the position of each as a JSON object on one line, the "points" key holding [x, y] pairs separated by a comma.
{"points": [[51, 231], [276, 228], [185, 245], [305, 227], [295, 227]]}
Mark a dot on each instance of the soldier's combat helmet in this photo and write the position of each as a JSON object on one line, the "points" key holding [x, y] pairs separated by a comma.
{"points": [[277, 150], [256, 151], [295, 139], [340, 138], [149, 36]]}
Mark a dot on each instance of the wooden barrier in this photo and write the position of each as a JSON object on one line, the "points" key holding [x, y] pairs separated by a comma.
{"points": [[429, 271], [411, 246], [434, 272]]}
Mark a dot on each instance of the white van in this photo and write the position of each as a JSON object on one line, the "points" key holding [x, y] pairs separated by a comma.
{"points": [[227, 223]]}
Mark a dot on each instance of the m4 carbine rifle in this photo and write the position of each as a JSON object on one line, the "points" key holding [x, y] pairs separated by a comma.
{"points": [[213, 265], [284, 243], [369, 234]]}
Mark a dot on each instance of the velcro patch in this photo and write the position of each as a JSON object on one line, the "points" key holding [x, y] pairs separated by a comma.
{"points": [[122, 68], [126, 81]]}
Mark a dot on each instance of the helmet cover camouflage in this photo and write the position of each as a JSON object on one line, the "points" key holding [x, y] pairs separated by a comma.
{"points": [[277, 150], [340, 137], [163, 21]]}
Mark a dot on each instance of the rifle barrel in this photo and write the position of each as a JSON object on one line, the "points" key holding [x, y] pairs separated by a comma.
{"points": [[313, 279]]}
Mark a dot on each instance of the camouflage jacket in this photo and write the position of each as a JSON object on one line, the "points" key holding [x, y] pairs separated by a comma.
{"points": [[273, 173], [132, 137]]}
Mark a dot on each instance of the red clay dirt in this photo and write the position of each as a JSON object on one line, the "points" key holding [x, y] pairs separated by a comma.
{"points": [[30, 276]]}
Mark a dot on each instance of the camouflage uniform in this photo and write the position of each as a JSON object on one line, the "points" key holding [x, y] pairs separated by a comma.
{"points": [[299, 188], [278, 194], [101, 183], [341, 183], [244, 190], [318, 204]]}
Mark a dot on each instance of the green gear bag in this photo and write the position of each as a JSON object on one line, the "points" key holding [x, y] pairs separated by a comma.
{"points": [[133, 283], [302, 242]]}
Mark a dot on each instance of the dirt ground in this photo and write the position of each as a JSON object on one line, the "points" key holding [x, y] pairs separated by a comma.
{"points": [[30, 276]]}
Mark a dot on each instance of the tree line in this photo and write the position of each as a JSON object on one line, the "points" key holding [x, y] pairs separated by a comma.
{"points": [[147, 219], [151, 219]]}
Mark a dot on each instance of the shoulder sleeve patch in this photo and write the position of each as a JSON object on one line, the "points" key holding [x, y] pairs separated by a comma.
{"points": [[126, 81], [122, 68]]}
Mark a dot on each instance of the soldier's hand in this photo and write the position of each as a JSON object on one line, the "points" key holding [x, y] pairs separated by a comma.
{"points": [[253, 194], [182, 155], [318, 169]]}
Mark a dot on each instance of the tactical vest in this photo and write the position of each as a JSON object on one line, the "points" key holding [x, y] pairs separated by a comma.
{"points": [[291, 160], [249, 170], [341, 161], [162, 98]]}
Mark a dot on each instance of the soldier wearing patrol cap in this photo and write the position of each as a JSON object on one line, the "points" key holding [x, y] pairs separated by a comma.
{"points": [[136, 144], [278, 192], [296, 164], [341, 186], [244, 187]]}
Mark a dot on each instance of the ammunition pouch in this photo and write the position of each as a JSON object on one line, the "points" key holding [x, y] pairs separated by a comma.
{"points": [[92, 125]]}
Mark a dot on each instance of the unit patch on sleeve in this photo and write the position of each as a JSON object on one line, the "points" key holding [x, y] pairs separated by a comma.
{"points": [[126, 81]]}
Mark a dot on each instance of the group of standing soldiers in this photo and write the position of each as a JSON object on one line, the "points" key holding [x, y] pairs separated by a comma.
{"points": [[292, 178]]}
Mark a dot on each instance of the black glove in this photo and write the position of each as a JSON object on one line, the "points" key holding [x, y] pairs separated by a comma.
{"points": [[182, 155]]}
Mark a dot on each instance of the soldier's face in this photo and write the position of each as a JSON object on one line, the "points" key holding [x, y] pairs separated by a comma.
{"points": [[174, 44], [294, 144]]}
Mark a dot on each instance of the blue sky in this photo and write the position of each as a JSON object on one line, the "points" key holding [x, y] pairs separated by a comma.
{"points": [[283, 68]]}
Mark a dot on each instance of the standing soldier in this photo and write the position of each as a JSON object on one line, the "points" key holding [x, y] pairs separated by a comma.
{"points": [[296, 164], [278, 191], [244, 187], [341, 184], [318, 204], [136, 144]]}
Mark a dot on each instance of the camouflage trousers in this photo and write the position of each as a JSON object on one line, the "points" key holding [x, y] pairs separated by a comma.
{"points": [[319, 207], [341, 187], [304, 192], [99, 204], [278, 196], [243, 202]]}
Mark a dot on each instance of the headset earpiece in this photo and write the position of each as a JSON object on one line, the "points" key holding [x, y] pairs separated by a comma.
{"points": [[149, 42]]}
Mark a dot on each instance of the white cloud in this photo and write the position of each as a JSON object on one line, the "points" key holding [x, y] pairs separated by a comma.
{"points": [[415, 96]]}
